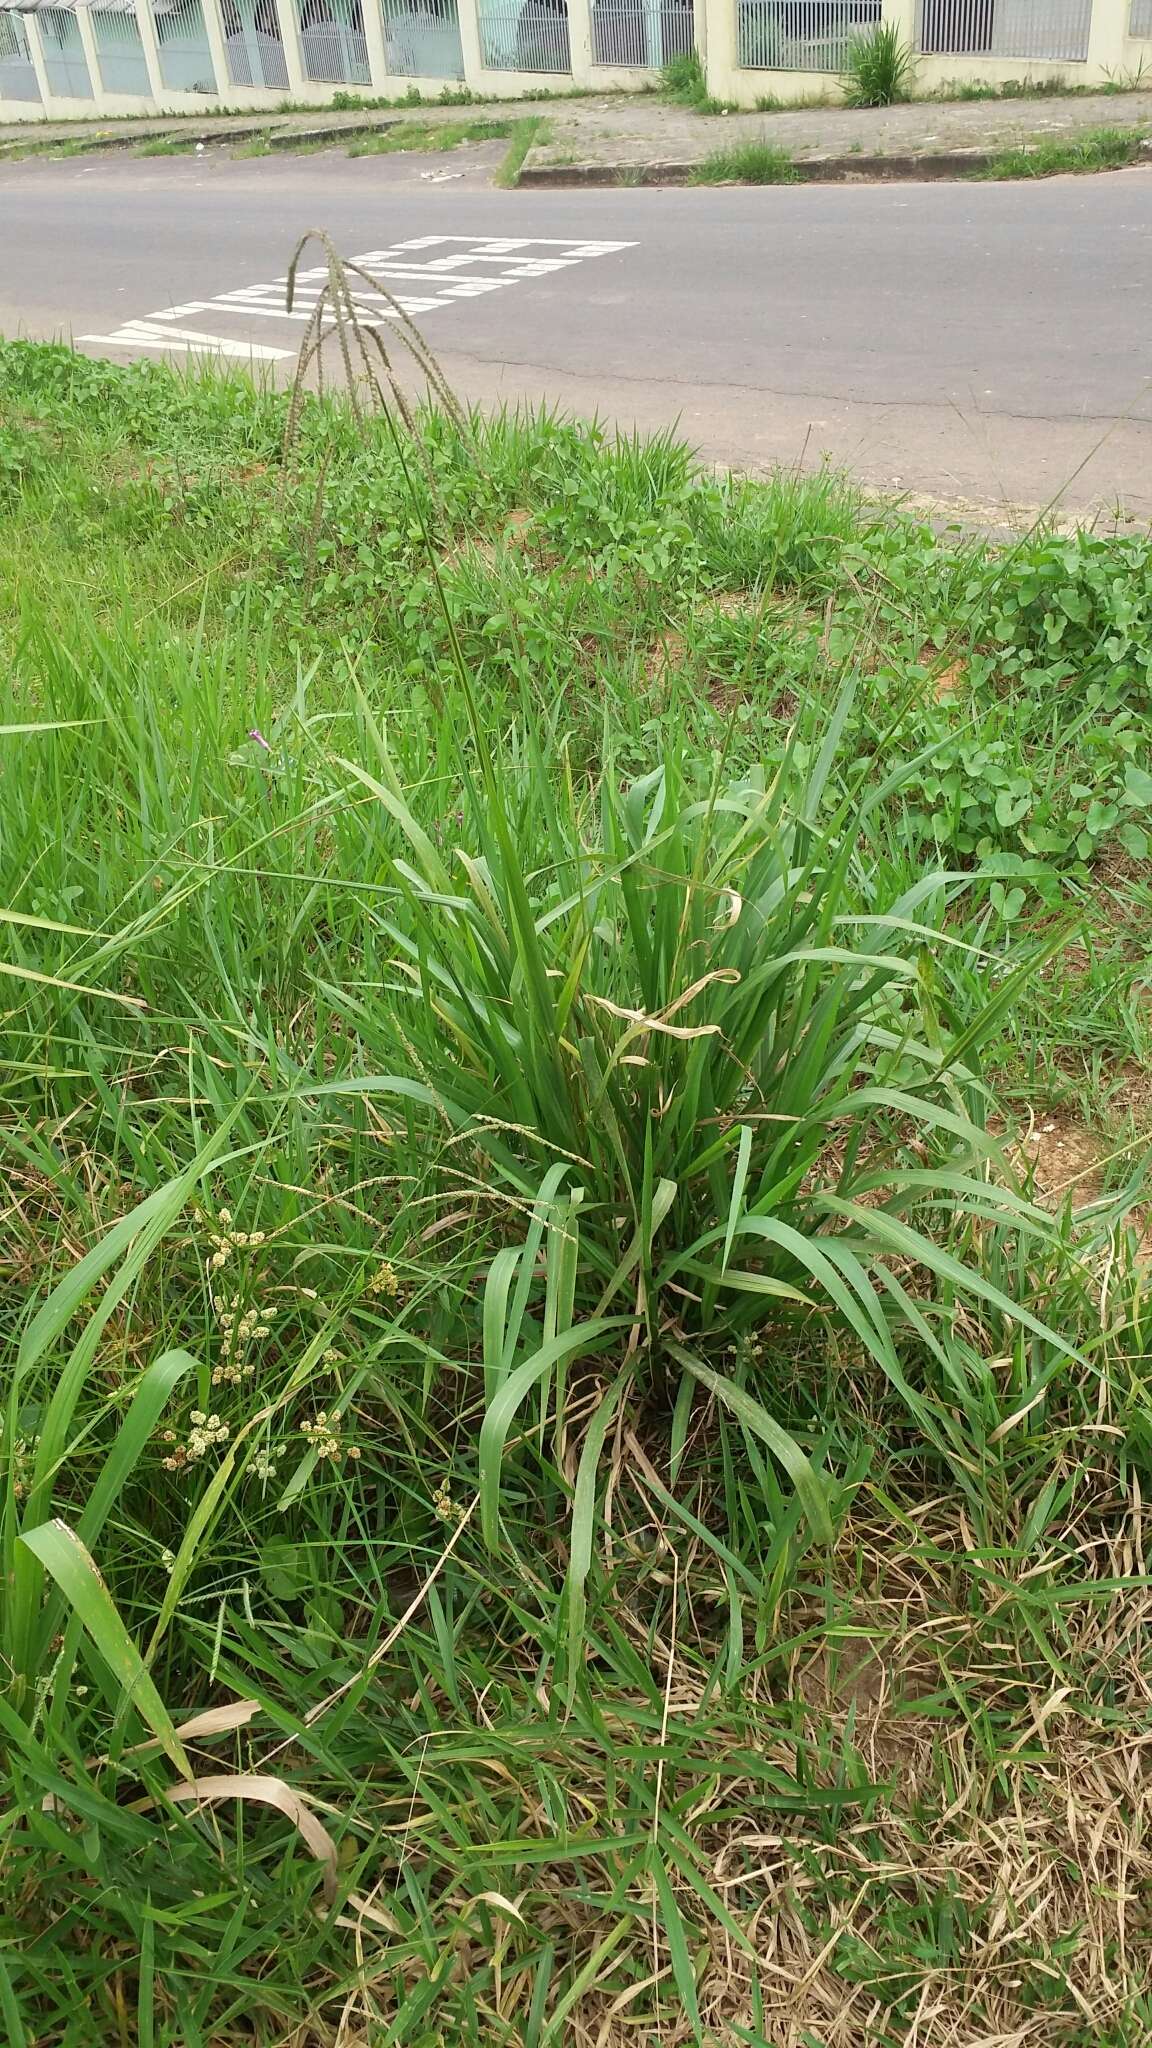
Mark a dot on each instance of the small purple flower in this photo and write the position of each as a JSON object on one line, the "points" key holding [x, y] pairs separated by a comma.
{"points": [[255, 733]]}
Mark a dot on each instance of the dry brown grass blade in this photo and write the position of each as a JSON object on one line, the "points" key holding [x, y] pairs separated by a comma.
{"points": [[266, 1791], [213, 1721]]}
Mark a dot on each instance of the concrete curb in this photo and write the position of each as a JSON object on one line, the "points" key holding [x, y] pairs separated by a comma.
{"points": [[285, 138], [855, 169], [213, 138]]}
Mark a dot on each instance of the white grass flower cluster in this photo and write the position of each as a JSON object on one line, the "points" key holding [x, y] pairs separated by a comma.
{"points": [[205, 1432]]}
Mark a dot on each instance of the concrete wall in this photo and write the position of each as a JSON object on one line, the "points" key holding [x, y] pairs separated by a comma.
{"points": [[1112, 54], [486, 80]]}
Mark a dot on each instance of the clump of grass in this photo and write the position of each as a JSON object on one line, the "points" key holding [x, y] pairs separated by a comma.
{"points": [[417, 136], [1098, 149], [771, 103], [878, 68], [164, 145], [506, 1047], [682, 80], [253, 145], [746, 163], [524, 136]]}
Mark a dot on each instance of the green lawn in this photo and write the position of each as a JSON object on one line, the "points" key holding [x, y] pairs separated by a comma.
{"points": [[574, 1118]]}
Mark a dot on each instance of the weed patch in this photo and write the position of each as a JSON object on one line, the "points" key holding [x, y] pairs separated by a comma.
{"points": [[1098, 149], [572, 1293], [524, 136], [412, 135], [746, 163]]}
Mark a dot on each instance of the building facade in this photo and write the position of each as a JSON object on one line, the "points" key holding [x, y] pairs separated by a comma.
{"points": [[62, 59]]}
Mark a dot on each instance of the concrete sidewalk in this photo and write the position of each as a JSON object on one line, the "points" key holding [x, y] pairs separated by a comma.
{"points": [[635, 137], [283, 129], [618, 140]]}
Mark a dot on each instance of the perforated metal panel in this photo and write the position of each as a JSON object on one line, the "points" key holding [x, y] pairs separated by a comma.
{"points": [[182, 41], [800, 35], [253, 44], [1052, 30], [641, 34], [423, 40], [65, 64], [119, 51], [18, 80], [529, 36], [333, 47]]}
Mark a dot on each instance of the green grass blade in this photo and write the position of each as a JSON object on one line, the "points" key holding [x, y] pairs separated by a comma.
{"points": [[811, 1488], [60, 1552]]}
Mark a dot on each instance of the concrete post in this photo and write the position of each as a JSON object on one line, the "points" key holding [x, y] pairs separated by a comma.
{"points": [[36, 53], [374, 37], [157, 89], [901, 15], [719, 53], [214, 33], [580, 41], [91, 58], [476, 78], [1105, 43], [299, 87]]}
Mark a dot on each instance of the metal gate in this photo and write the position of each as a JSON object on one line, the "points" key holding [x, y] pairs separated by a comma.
{"points": [[253, 45], [423, 41], [333, 46], [1056, 31], [119, 50], [641, 34], [524, 35], [1140, 18], [65, 64], [182, 44], [800, 35], [18, 80]]}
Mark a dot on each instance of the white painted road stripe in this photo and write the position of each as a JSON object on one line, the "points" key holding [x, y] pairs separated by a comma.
{"points": [[146, 334], [461, 270]]}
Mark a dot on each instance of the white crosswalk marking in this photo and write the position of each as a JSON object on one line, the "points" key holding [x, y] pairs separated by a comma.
{"points": [[451, 269]]}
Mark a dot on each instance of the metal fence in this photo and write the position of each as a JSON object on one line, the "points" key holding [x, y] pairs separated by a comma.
{"points": [[65, 65], [119, 50], [253, 45], [423, 41], [1055, 30], [800, 35], [641, 34], [531, 36], [1140, 18], [18, 79], [333, 46], [182, 44]]}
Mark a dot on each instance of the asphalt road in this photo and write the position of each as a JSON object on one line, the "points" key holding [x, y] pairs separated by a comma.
{"points": [[980, 345]]}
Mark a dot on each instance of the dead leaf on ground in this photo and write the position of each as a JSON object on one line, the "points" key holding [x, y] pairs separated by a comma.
{"points": [[266, 1791]]}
